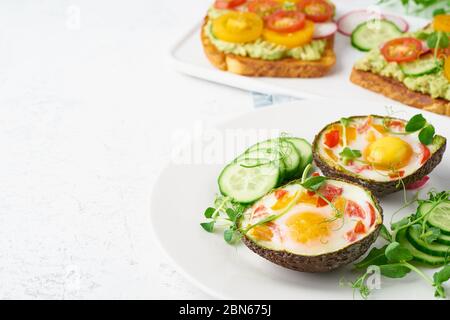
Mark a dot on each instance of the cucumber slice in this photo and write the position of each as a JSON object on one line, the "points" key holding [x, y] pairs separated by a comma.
{"points": [[263, 156], [444, 239], [439, 217], [420, 67], [419, 256], [371, 34], [434, 249], [304, 149], [287, 151], [248, 184]]}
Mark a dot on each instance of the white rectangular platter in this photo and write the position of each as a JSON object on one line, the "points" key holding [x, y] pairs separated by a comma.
{"points": [[188, 57]]}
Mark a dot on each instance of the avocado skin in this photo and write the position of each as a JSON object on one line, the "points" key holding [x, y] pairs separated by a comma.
{"points": [[321, 263], [379, 189], [324, 262]]}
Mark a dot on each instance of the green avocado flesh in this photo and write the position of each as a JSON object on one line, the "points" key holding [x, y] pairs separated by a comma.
{"points": [[261, 49]]}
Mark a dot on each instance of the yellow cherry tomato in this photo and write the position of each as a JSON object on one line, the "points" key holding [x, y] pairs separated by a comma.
{"points": [[293, 39], [442, 23], [447, 68], [238, 27]]}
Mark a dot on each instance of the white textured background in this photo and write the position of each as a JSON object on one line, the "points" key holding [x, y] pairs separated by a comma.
{"points": [[88, 103], [87, 106]]}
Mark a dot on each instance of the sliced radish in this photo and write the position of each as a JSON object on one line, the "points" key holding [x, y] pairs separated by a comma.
{"points": [[425, 48], [324, 30], [418, 184], [401, 23], [348, 22]]}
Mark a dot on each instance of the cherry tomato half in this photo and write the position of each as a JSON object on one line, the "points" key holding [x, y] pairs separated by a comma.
{"points": [[286, 21], [228, 4], [316, 10], [263, 8], [402, 50], [238, 27], [291, 39]]}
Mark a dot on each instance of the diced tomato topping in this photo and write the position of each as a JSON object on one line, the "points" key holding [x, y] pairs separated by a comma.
{"points": [[397, 174], [418, 184], [332, 138], [396, 124], [330, 192], [259, 211], [365, 126], [360, 169], [280, 193], [351, 235], [352, 209], [360, 227], [425, 153], [373, 215]]}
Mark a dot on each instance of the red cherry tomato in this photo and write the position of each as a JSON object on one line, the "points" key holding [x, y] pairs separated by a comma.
{"points": [[397, 174], [285, 21], [352, 209], [330, 193], [425, 153], [402, 50], [228, 4], [396, 124], [360, 227], [332, 138], [263, 8], [280, 193], [316, 10]]}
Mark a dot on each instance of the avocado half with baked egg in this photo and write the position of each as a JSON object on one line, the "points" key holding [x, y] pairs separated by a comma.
{"points": [[313, 231], [376, 152]]}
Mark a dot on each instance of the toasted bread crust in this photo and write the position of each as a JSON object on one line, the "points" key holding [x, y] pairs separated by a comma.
{"points": [[287, 68], [398, 91]]}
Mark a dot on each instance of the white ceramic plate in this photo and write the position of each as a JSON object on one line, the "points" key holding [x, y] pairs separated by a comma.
{"points": [[188, 57], [184, 191]]}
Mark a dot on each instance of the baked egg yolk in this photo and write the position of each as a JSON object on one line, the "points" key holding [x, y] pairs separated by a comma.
{"points": [[388, 153], [307, 226]]}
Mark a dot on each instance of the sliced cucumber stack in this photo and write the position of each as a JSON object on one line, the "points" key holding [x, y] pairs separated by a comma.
{"points": [[418, 255], [247, 184], [440, 217], [263, 167], [303, 147], [371, 34], [434, 249], [420, 67], [437, 252]]}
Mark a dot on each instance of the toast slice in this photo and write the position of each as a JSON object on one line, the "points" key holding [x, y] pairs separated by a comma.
{"points": [[287, 68], [396, 90]]}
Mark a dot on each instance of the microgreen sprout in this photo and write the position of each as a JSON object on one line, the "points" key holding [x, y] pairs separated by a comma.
{"points": [[418, 122], [395, 260]]}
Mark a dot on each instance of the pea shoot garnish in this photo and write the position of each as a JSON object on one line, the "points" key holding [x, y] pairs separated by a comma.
{"points": [[396, 259], [418, 122]]}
